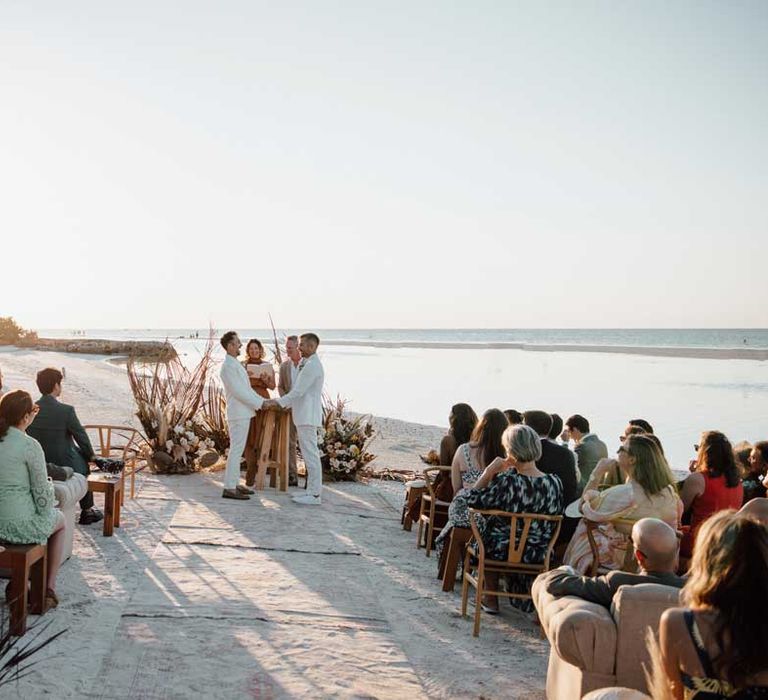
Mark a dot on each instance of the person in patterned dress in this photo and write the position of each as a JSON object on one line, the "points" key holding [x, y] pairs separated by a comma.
{"points": [[514, 484]]}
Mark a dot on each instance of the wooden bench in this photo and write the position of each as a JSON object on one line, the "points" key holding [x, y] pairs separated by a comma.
{"points": [[27, 562], [113, 491]]}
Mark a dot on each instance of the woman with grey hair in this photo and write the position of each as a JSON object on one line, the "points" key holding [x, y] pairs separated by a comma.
{"points": [[515, 485]]}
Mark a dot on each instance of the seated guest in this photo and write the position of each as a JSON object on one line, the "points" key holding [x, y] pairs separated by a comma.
{"points": [[589, 448], [2, 391], [484, 446], [514, 484], [556, 459], [608, 472], [557, 427], [27, 501], [461, 422], [757, 465], [656, 546], [641, 423], [714, 485], [649, 492], [757, 509], [62, 437], [514, 417], [715, 646]]}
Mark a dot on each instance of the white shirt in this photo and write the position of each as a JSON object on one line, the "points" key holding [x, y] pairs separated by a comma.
{"points": [[294, 372], [305, 398], [242, 400]]}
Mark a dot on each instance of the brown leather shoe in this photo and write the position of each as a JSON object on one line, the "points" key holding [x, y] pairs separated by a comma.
{"points": [[244, 489], [234, 493], [51, 600]]}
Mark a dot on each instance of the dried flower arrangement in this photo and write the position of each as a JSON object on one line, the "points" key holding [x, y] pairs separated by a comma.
{"points": [[344, 441]]}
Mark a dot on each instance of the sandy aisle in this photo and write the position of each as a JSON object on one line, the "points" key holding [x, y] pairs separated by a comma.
{"points": [[196, 596]]}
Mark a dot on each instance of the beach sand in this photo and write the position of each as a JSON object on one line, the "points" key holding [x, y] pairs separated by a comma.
{"points": [[196, 596]]}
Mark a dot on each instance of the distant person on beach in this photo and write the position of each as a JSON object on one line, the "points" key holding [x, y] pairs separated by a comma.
{"points": [[62, 437], [589, 448], [714, 485], [261, 375], [305, 399], [289, 370], [461, 422], [242, 403], [28, 513]]}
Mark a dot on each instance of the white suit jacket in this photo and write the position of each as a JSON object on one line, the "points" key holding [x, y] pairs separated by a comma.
{"points": [[242, 401], [305, 398]]}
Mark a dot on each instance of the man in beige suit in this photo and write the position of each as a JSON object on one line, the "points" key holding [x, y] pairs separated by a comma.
{"points": [[288, 371]]}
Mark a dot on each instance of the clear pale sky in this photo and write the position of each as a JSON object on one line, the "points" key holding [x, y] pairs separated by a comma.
{"points": [[384, 164]]}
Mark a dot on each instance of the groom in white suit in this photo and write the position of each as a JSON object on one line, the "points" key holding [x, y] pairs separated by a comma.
{"points": [[305, 399], [242, 404]]}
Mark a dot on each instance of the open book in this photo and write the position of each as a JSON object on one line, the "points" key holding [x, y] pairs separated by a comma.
{"points": [[262, 371]]}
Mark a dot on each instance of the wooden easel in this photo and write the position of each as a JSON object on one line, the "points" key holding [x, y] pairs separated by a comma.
{"points": [[274, 446]]}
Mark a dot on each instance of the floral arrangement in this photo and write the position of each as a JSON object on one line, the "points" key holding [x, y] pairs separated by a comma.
{"points": [[169, 400], [432, 458], [343, 445]]}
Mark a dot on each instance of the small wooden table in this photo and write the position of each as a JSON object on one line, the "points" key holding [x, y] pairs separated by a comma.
{"points": [[112, 488], [27, 562]]}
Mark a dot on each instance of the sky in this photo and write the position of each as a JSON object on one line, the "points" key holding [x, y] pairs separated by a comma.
{"points": [[384, 164]]}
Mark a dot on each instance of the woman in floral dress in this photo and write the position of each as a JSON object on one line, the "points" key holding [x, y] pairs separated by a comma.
{"points": [[514, 485]]}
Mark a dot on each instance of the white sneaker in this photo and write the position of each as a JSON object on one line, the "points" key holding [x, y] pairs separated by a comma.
{"points": [[307, 500]]}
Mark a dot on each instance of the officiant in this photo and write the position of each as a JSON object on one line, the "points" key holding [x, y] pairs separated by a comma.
{"points": [[261, 374]]}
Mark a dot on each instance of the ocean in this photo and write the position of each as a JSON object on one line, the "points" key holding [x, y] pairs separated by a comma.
{"points": [[416, 375]]}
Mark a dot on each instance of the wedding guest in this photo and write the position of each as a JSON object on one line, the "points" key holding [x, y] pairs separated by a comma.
{"points": [[2, 391], [461, 422], [289, 369], [514, 484], [63, 439], [649, 492], [589, 448], [755, 476], [656, 546], [714, 647], [483, 447], [641, 423], [757, 509], [468, 464], [556, 459], [27, 502], [261, 382], [514, 417], [242, 402], [557, 427], [305, 400], [714, 485]]}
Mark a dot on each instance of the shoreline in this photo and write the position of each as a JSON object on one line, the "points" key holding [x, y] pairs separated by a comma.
{"points": [[759, 354]]}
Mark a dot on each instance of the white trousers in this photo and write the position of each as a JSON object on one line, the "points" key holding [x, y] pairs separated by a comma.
{"points": [[238, 435], [307, 435]]}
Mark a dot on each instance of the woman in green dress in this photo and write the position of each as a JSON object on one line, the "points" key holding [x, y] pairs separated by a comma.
{"points": [[27, 502]]}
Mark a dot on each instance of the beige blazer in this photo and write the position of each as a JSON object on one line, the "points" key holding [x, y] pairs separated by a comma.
{"points": [[284, 383]]}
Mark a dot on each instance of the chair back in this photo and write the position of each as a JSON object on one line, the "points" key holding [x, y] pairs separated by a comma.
{"points": [[116, 440], [517, 543], [430, 475]]}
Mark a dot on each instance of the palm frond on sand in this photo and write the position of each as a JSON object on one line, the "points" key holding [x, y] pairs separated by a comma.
{"points": [[16, 653]]}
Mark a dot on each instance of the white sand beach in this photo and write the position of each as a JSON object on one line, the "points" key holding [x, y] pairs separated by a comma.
{"points": [[196, 596]]}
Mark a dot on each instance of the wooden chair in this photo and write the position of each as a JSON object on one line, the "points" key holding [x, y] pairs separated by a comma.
{"points": [[27, 562], [622, 525], [430, 507], [514, 563], [129, 442], [452, 555]]}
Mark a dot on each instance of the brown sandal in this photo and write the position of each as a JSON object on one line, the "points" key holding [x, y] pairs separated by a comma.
{"points": [[51, 600]]}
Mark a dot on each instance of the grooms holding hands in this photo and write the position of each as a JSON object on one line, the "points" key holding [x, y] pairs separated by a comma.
{"points": [[289, 370], [305, 401], [242, 403]]}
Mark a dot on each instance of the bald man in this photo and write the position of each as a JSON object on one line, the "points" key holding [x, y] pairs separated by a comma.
{"points": [[757, 509], [656, 548]]}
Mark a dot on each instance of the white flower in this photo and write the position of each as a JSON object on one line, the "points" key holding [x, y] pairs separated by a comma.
{"points": [[189, 435], [169, 445], [178, 430], [183, 442]]}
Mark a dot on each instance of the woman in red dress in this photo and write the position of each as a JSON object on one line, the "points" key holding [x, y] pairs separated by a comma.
{"points": [[714, 485]]}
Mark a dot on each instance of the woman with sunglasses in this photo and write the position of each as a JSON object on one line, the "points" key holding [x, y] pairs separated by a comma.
{"points": [[27, 502], [714, 485], [649, 492]]}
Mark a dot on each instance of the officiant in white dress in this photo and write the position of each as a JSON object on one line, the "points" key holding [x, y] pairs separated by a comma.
{"points": [[305, 399]]}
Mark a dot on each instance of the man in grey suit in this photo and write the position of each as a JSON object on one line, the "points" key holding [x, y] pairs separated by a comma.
{"points": [[589, 449], [656, 549], [63, 439], [289, 369]]}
